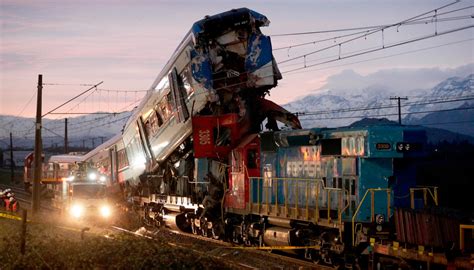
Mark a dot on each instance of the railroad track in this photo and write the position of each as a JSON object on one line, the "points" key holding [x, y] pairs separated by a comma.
{"points": [[236, 256], [239, 256], [24, 197]]}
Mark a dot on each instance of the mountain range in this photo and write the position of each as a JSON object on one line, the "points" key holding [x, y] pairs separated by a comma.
{"points": [[447, 106], [86, 131]]}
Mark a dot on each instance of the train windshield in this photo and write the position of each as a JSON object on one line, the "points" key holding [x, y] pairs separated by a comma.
{"points": [[92, 191]]}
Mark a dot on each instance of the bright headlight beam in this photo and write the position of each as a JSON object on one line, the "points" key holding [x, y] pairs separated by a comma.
{"points": [[92, 176], [76, 211], [105, 211]]}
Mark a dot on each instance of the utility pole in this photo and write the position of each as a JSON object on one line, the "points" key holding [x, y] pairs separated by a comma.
{"points": [[399, 108], [12, 163], [38, 151], [65, 137]]}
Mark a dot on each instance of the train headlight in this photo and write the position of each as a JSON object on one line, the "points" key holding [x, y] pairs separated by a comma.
{"points": [[379, 219], [92, 176], [105, 211], [69, 178], [77, 211]]}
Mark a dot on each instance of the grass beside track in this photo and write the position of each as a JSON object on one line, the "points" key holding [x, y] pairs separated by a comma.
{"points": [[5, 176], [49, 247]]}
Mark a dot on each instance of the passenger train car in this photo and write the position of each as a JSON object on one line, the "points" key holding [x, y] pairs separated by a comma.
{"points": [[224, 65]]}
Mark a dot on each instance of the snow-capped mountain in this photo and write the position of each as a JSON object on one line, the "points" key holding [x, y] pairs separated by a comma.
{"points": [[458, 91], [330, 108], [342, 107]]}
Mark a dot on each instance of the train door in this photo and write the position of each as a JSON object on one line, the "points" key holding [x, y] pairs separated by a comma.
{"points": [[113, 164], [179, 95], [245, 165], [144, 136], [349, 182]]}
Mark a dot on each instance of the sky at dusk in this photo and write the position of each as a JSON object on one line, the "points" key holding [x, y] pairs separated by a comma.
{"points": [[126, 44]]}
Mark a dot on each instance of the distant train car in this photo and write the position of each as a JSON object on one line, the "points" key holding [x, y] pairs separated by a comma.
{"points": [[57, 169], [108, 164], [28, 169]]}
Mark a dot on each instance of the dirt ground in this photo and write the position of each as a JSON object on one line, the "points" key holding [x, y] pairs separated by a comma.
{"points": [[59, 247]]}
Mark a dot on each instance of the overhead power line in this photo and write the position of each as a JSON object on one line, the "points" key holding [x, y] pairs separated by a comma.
{"points": [[370, 32], [389, 114], [69, 84], [120, 90], [314, 42], [94, 86], [424, 102], [368, 27], [375, 50], [22, 110], [372, 59], [84, 113]]}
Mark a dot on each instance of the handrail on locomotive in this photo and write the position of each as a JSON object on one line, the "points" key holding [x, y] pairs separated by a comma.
{"points": [[431, 190], [372, 203], [291, 196]]}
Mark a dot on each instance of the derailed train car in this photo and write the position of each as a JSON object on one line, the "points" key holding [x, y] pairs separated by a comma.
{"points": [[217, 78]]}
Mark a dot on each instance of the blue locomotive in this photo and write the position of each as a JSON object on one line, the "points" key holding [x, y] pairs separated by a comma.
{"points": [[328, 189]]}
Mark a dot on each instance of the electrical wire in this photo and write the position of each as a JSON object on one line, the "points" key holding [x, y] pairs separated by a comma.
{"points": [[366, 27], [425, 102], [390, 114], [94, 86], [379, 49], [68, 84], [314, 42], [373, 59], [370, 32], [21, 111]]}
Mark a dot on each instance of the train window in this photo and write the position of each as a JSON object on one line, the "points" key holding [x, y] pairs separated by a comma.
{"points": [[162, 85], [347, 185], [252, 159], [267, 175], [331, 147], [325, 182], [170, 102], [339, 182], [179, 95], [334, 182], [122, 159], [222, 136], [185, 79], [353, 187], [152, 124], [165, 108]]}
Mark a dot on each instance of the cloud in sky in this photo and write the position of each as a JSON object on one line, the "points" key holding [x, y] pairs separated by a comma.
{"points": [[398, 80]]}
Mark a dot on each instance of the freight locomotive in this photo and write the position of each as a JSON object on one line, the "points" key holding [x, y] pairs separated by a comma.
{"points": [[206, 153]]}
